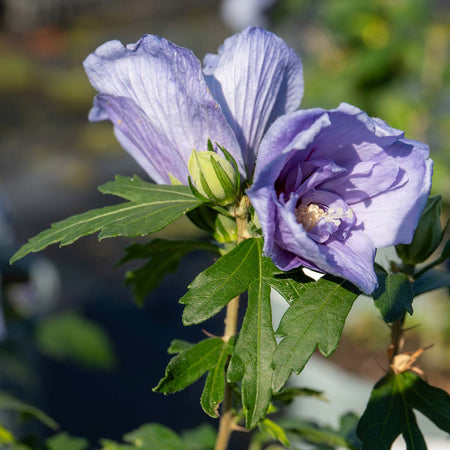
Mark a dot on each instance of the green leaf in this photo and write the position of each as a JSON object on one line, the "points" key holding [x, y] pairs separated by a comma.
{"points": [[151, 208], [412, 435], [432, 402], [178, 345], [202, 437], [189, 365], [164, 257], [322, 436], [9, 403], [214, 389], [275, 431], [393, 296], [71, 337], [315, 319], [62, 441], [154, 436], [289, 285], [252, 358], [431, 280], [446, 251], [390, 411], [230, 276], [287, 395]]}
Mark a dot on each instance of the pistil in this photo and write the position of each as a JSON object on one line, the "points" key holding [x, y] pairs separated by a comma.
{"points": [[309, 215]]}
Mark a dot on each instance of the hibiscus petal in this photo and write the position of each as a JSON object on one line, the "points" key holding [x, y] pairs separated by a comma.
{"points": [[366, 179], [165, 84], [353, 137], [352, 259], [134, 132], [391, 217], [256, 78], [292, 132]]}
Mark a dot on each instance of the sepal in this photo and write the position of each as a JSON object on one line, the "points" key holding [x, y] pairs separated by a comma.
{"points": [[428, 234]]}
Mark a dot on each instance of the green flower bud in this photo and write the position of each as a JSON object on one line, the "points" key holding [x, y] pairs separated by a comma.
{"points": [[213, 177], [428, 234]]}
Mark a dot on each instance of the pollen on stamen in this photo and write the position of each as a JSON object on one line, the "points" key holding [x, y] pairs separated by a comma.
{"points": [[309, 215], [119, 122]]}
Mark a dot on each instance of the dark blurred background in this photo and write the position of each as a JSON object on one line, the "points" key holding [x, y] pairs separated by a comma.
{"points": [[75, 343]]}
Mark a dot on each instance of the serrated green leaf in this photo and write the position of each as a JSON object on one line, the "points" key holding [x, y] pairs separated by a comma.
{"points": [[164, 257], [431, 280], [287, 395], [9, 403], [154, 436], [202, 437], [71, 337], [315, 319], [252, 357], [214, 389], [178, 345], [189, 365], [275, 431], [62, 441], [289, 285], [393, 296], [137, 190], [151, 209], [230, 276], [390, 411]]}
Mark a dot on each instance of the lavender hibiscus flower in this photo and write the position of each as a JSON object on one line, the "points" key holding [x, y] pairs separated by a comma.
{"points": [[163, 105], [332, 186]]}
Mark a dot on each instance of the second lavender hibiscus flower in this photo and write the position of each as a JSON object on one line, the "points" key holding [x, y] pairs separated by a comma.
{"points": [[332, 186], [163, 105]]}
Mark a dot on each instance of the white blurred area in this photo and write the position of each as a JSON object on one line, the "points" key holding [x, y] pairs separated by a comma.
{"points": [[238, 14]]}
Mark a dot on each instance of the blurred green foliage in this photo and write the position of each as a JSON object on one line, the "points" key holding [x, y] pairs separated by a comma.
{"points": [[71, 337]]}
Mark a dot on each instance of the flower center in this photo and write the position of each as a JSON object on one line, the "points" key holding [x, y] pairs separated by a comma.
{"points": [[309, 215]]}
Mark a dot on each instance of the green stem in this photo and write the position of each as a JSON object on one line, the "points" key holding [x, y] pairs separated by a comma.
{"points": [[227, 419], [397, 338], [227, 416]]}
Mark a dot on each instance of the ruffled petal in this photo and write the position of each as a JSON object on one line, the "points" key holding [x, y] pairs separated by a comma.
{"points": [[292, 132], [165, 84], [391, 217], [352, 259], [353, 137], [256, 78], [366, 179]]}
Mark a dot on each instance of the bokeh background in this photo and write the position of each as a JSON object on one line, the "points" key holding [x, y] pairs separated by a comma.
{"points": [[73, 341]]}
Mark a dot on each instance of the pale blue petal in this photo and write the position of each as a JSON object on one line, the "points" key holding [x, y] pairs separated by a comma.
{"points": [[256, 78], [391, 217], [165, 84], [292, 132]]}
